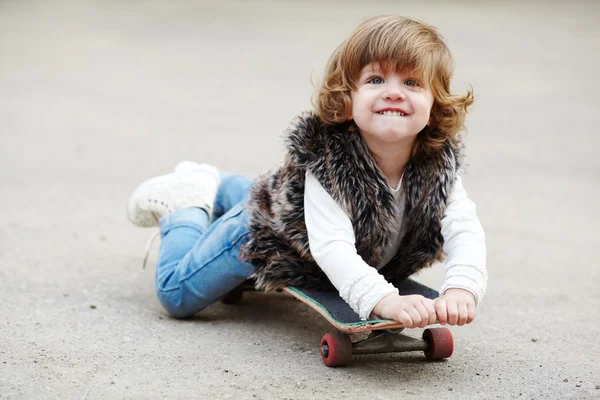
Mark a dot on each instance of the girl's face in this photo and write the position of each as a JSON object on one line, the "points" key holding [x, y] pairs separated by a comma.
{"points": [[390, 108]]}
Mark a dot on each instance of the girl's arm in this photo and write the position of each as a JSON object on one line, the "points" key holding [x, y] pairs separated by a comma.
{"points": [[332, 245], [466, 274], [464, 244]]}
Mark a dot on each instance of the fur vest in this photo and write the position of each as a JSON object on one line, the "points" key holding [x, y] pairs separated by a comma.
{"points": [[340, 160]]}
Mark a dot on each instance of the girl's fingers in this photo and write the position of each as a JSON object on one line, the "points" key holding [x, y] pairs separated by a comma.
{"points": [[471, 312], [423, 313], [452, 313], [415, 315], [430, 307], [405, 319], [441, 311], [463, 314]]}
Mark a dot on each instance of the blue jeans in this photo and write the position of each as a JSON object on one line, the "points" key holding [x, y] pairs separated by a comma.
{"points": [[199, 263]]}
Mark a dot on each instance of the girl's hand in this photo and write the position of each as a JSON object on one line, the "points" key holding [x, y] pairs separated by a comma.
{"points": [[414, 311], [455, 307]]}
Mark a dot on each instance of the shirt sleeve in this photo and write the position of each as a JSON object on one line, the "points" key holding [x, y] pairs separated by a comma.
{"points": [[332, 245], [464, 244]]}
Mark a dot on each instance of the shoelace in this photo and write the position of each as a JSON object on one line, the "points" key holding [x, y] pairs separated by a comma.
{"points": [[148, 246]]}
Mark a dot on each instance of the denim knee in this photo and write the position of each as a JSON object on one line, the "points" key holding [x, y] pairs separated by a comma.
{"points": [[209, 271], [172, 303]]}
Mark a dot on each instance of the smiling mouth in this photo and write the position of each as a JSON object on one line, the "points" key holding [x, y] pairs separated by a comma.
{"points": [[392, 113]]}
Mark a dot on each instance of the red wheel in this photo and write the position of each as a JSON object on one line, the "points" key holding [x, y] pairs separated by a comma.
{"points": [[440, 341], [234, 296], [336, 349]]}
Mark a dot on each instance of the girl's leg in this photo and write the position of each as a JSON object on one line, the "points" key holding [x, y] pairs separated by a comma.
{"points": [[198, 265], [232, 190]]}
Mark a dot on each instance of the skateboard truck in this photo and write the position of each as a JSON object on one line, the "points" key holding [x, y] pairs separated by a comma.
{"points": [[337, 348], [388, 342]]}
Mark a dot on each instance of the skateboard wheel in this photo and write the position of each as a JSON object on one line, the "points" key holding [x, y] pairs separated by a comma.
{"points": [[336, 349], [440, 341], [234, 296]]}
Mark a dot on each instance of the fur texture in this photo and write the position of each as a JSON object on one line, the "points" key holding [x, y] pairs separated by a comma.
{"points": [[339, 159]]}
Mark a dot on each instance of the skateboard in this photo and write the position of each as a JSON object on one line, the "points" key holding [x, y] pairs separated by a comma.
{"points": [[386, 336], [337, 348]]}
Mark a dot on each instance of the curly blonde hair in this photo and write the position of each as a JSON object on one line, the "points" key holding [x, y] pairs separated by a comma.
{"points": [[402, 44]]}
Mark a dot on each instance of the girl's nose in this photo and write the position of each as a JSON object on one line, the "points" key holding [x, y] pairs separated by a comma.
{"points": [[393, 93]]}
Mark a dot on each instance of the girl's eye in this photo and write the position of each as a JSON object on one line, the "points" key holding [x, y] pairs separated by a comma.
{"points": [[376, 80], [411, 82]]}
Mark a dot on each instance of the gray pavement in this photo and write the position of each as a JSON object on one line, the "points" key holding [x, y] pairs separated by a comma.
{"points": [[96, 96]]}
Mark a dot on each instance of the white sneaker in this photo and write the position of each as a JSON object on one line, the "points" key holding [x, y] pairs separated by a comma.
{"points": [[188, 166], [184, 188]]}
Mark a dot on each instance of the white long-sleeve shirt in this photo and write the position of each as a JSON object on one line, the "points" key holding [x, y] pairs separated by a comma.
{"points": [[332, 245]]}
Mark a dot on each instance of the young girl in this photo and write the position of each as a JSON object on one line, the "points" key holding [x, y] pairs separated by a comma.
{"points": [[368, 194]]}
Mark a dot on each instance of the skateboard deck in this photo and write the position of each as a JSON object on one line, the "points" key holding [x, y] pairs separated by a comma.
{"points": [[338, 348], [386, 336], [339, 314]]}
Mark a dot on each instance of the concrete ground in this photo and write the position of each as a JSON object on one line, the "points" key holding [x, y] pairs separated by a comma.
{"points": [[96, 96]]}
